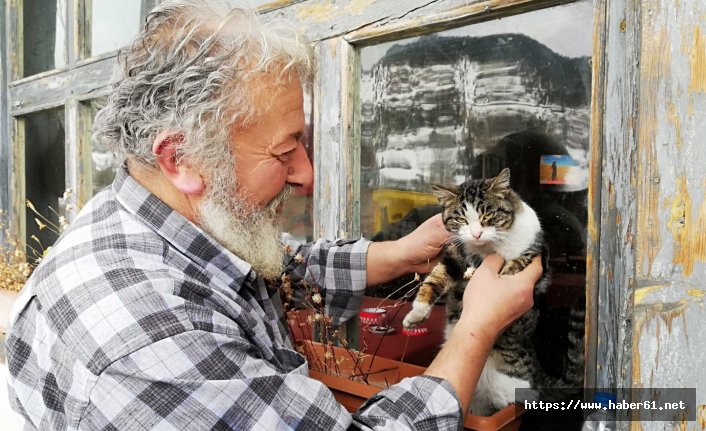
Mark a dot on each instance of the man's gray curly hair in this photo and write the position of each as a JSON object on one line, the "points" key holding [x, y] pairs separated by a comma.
{"points": [[189, 72]]}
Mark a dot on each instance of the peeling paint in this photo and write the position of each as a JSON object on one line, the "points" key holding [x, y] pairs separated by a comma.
{"points": [[642, 292], [675, 119], [655, 61], [358, 6], [697, 62], [696, 292], [330, 11], [317, 12], [276, 4], [689, 235], [644, 315], [701, 416]]}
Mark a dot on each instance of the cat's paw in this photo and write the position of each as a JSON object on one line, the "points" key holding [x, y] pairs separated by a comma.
{"points": [[419, 313], [469, 272]]}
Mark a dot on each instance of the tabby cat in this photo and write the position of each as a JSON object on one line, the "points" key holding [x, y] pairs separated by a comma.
{"points": [[487, 217]]}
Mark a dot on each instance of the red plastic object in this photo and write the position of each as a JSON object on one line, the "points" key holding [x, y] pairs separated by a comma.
{"points": [[415, 332], [372, 316]]}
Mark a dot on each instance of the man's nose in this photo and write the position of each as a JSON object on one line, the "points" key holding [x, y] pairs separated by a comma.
{"points": [[300, 172]]}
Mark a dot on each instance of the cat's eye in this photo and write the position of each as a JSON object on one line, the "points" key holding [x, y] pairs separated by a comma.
{"points": [[486, 217], [460, 220]]}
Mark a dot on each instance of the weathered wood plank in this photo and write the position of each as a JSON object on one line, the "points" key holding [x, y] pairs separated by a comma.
{"points": [[17, 178], [593, 230], [327, 141], [72, 150], [335, 186], [5, 147], [671, 241], [618, 196], [335, 182], [667, 350], [72, 34], [380, 19], [84, 187], [14, 41], [270, 5], [416, 23], [672, 107], [87, 81]]}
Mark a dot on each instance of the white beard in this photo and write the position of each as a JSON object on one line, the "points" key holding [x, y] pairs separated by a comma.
{"points": [[252, 234], [257, 242]]}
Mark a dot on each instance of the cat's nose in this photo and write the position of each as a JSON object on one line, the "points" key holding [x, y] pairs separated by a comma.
{"points": [[477, 235]]}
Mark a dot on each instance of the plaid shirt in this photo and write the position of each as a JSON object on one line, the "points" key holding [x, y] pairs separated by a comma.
{"points": [[137, 319]]}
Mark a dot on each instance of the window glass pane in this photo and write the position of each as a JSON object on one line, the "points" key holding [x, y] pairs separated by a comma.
{"points": [[297, 213], [513, 92], [43, 35], [111, 24], [44, 174], [104, 164]]}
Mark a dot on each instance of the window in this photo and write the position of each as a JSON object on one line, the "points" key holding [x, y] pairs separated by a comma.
{"points": [[465, 103], [109, 24], [44, 174], [298, 212], [103, 163], [513, 92], [43, 42]]}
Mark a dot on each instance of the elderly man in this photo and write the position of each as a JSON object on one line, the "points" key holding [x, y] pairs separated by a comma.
{"points": [[151, 310]]}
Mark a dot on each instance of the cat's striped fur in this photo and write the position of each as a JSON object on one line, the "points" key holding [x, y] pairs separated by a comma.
{"points": [[487, 216]]}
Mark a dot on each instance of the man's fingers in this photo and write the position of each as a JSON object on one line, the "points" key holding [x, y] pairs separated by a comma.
{"points": [[533, 271], [493, 262]]}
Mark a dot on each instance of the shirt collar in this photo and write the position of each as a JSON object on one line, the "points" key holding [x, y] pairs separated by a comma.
{"points": [[177, 230]]}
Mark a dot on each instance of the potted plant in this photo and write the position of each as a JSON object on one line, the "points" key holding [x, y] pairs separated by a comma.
{"points": [[354, 376]]}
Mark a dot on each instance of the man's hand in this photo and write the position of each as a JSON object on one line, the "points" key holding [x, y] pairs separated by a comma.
{"points": [[491, 302], [421, 248], [416, 252]]}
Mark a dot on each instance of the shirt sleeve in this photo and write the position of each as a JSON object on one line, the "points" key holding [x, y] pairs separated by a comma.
{"points": [[204, 380], [336, 267]]}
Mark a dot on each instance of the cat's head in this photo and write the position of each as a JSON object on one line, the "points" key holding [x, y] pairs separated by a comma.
{"points": [[479, 211]]}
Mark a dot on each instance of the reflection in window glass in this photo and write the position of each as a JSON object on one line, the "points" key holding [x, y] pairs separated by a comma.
{"points": [[104, 164], [297, 214], [43, 35], [44, 172], [513, 92], [112, 24]]}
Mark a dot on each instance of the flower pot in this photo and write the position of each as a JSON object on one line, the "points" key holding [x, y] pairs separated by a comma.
{"points": [[382, 373]]}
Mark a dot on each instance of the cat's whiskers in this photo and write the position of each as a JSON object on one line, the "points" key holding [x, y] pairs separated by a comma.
{"points": [[454, 239]]}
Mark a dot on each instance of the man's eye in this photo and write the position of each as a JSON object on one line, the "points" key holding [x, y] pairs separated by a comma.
{"points": [[285, 157]]}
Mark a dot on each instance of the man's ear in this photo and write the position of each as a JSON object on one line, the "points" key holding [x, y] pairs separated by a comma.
{"points": [[174, 168]]}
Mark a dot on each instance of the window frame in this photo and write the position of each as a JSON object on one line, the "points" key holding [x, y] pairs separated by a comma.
{"points": [[339, 65]]}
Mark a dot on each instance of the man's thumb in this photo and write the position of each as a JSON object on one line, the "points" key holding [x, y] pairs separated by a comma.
{"points": [[494, 262]]}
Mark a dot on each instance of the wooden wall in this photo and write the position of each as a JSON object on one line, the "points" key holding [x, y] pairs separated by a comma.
{"points": [[668, 348]]}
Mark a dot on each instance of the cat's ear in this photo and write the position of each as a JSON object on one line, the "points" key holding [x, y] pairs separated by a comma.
{"points": [[446, 195], [500, 185]]}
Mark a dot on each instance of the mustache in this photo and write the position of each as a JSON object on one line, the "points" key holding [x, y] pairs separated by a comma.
{"points": [[283, 196]]}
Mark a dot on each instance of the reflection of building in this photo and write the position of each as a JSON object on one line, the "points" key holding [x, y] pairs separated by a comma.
{"points": [[432, 106]]}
